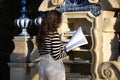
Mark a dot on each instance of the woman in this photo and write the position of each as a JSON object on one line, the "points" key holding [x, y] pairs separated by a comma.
{"points": [[51, 48]]}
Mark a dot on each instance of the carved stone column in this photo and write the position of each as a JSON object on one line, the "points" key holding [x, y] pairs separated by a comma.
{"points": [[110, 65]]}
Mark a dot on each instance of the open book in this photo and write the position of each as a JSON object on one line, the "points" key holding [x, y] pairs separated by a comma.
{"points": [[78, 39]]}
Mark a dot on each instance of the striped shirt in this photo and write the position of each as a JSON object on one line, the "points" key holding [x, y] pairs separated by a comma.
{"points": [[54, 46]]}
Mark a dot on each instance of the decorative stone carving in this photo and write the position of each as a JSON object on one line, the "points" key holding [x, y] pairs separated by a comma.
{"points": [[110, 39], [57, 2], [19, 58], [46, 5], [110, 70], [34, 56], [93, 1], [20, 52], [110, 4]]}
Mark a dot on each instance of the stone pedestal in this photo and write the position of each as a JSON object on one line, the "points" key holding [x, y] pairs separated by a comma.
{"points": [[20, 52], [34, 56], [34, 65], [17, 71], [19, 58]]}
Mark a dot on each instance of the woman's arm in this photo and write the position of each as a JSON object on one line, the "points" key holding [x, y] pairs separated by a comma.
{"points": [[57, 49]]}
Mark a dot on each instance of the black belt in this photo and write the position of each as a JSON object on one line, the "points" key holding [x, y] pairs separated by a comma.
{"points": [[43, 52]]}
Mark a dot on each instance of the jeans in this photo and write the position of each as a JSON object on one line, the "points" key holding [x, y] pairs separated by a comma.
{"points": [[51, 69]]}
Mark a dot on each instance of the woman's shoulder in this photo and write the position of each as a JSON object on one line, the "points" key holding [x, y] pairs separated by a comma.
{"points": [[52, 34]]}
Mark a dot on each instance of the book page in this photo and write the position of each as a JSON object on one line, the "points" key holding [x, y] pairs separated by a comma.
{"points": [[78, 39]]}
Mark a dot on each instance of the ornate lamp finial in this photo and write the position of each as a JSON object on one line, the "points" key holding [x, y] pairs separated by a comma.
{"points": [[23, 22], [39, 19]]}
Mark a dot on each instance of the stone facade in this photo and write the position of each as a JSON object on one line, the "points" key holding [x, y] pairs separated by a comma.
{"points": [[104, 30]]}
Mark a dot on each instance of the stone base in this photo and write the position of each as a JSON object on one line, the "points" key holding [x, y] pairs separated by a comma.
{"points": [[17, 71]]}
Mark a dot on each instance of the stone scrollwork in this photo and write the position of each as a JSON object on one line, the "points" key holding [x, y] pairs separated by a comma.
{"points": [[57, 2], [107, 73], [46, 5], [93, 1], [110, 70]]}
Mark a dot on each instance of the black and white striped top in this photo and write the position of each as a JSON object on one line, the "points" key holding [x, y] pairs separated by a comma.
{"points": [[54, 46]]}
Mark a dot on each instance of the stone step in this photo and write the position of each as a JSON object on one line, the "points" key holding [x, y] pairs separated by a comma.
{"points": [[77, 76]]}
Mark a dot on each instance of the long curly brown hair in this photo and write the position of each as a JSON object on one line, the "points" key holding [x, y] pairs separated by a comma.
{"points": [[51, 22]]}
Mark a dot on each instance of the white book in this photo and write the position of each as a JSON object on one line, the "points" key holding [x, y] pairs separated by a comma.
{"points": [[78, 39]]}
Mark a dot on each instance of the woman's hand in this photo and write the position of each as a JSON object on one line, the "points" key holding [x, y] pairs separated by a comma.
{"points": [[76, 48]]}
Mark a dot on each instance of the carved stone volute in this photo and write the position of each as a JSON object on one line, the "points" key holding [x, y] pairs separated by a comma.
{"points": [[110, 70], [93, 1], [57, 2]]}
